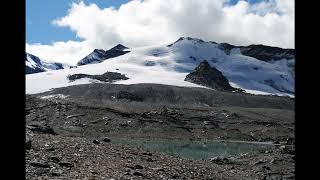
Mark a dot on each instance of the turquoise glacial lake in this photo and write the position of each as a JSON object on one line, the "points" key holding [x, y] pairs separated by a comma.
{"points": [[197, 149]]}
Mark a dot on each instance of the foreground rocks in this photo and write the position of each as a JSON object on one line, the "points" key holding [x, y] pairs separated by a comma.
{"points": [[60, 157], [65, 117], [71, 133]]}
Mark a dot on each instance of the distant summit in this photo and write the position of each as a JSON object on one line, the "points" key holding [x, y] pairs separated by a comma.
{"points": [[99, 55], [188, 39], [35, 65]]}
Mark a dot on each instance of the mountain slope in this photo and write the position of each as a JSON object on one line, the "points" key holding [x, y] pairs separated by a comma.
{"points": [[99, 55], [170, 64], [35, 65]]}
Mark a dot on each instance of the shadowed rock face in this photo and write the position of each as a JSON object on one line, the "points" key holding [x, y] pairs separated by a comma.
{"points": [[37, 67], [267, 53], [261, 52], [208, 76], [30, 70], [99, 55]]}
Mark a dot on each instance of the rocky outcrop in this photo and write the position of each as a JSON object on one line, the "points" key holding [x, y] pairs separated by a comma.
{"points": [[208, 76], [106, 77]]}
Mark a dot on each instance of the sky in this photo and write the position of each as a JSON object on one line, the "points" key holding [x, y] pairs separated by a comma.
{"points": [[67, 30], [40, 13]]}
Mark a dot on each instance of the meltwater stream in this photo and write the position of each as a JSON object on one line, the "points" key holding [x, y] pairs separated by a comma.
{"points": [[197, 149]]}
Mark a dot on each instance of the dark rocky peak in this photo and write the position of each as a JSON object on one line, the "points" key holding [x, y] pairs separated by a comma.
{"points": [[119, 47], [99, 55], [95, 57], [208, 76], [203, 66]]}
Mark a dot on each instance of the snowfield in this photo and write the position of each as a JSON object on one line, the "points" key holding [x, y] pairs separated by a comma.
{"points": [[170, 65]]}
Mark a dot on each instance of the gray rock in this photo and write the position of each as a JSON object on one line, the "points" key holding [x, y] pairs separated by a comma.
{"points": [[66, 164], [55, 159], [106, 139], [136, 173], [28, 144], [260, 161], [41, 129], [40, 164], [96, 141], [56, 172], [138, 166], [220, 160]]}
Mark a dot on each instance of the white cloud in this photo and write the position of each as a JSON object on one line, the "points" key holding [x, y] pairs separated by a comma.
{"points": [[148, 22], [69, 52]]}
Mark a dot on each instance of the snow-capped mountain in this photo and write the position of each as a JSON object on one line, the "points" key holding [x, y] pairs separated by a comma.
{"points": [[99, 55], [267, 71], [35, 65]]}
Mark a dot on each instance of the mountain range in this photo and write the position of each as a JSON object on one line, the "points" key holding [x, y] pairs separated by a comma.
{"points": [[256, 69]]}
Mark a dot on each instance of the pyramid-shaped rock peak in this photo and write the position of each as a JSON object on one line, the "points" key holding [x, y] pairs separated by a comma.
{"points": [[208, 76]]}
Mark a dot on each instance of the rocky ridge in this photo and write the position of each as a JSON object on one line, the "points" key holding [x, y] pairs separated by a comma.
{"points": [[99, 55]]}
